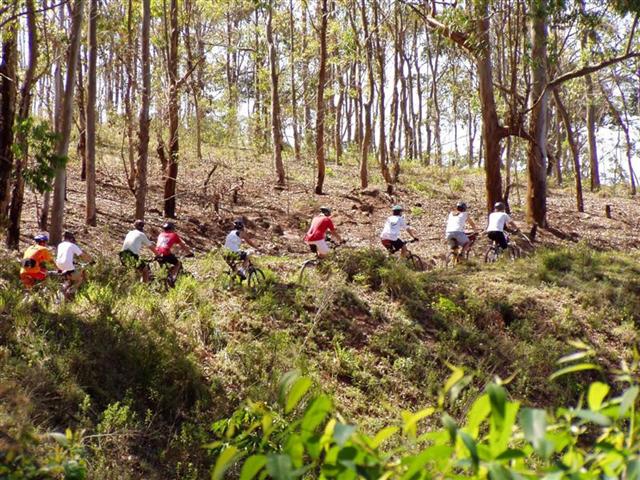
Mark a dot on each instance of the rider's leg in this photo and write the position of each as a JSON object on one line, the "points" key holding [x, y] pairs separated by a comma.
{"points": [[145, 273]]}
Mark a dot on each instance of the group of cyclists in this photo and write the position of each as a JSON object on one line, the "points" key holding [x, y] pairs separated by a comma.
{"points": [[37, 258]]}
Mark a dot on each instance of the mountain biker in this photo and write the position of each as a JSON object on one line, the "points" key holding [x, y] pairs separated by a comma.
{"points": [[393, 226], [316, 236], [455, 226], [498, 220], [131, 247], [33, 266], [166, 241], [67, 251], [232, 244]]}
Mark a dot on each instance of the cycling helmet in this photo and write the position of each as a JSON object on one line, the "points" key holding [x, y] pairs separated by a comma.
{"points": [[397, 208], [168, 226], [41, 237], [138, 224], [325, 210], [69, 236], [461, 207], [499, 206], [238, 224]]}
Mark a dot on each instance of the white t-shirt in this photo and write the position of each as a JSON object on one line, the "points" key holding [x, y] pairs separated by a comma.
{"points": [[497, 221], [134, 241], [64, 258], [455, 223], [233, 241], [392, 228]]}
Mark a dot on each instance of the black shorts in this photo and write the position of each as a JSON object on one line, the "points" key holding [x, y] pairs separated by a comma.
{"points": [[131, 260], [393, 245], [171, 259], [500, 238]]}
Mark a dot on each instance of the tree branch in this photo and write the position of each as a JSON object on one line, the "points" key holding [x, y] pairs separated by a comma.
{"points": [[22, 14], [586, 70]]}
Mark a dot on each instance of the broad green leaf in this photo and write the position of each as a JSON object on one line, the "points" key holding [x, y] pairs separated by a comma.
{"points": [[280, 467], [60, 438], [511, 454], [382, 436], [315, 413], [593, 417], [498, 399], [451, 426], [228, 456], [295, 449], [628, 397], [501, 431], [297, 391], [574, 368], [342, 433], [471, 446], [477, 414], [572, 357], [534, 426], [456, 375], [252, 466], [633, 470], [411, 420], [498, 472], [285, 383], [597, 393]]}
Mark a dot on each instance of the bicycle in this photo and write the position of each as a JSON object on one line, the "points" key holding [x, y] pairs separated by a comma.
{"points": [[412, 260], [254, 276], [170, 280], [494, 251], [315, 261], [456, 254], [68, 289]]}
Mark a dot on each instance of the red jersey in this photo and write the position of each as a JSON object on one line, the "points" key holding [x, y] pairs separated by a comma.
{"points": [[318, 229], [166, 240]]}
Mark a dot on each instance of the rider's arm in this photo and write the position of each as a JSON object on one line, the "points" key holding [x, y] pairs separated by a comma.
{"points": [[412, 231], [85, 257], [244, 236], [151, 246], [472, 223], [512, 225]]}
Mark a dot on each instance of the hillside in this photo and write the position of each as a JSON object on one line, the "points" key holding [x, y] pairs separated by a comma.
{"points": [[140, 375]]}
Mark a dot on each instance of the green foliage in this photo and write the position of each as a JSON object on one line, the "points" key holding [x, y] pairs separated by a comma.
{"points": [[40, 144], [497, 438]]}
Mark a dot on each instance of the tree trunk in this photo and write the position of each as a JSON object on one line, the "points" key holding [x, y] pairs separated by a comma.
{"points": [[81, 149], [8, 91], [380, 55], [320, 103], [172, 167], [276, 129], [62, 145], [537, 155], [17, 194], [90, 216], [368, 128], [491, 134], [575, 151], [143, 128], [294, 100]]}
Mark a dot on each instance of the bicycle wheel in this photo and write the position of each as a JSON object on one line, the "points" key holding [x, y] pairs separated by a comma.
{"points": [[305, 266], [491, 255], [256, 279], [415, 262], [514, 252]]}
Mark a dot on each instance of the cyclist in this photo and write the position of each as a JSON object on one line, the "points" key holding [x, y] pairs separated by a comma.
{"points": [[316, 236], [67, 251], [130, 254], [166, 241], [232, 244], [393, 226], [498, 220], [33, 266], [455, 226]]}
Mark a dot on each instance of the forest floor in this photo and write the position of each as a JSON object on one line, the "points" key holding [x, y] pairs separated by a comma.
{"points": [[244, 186]]}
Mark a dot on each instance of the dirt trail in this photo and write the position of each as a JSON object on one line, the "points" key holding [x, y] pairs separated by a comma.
{"points": [[278, 218]]}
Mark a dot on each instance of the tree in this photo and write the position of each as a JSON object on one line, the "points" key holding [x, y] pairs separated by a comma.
{"points": [[171, 173], [320, 101], [8, 80], [143, 119], [90, 214], [276, 128], [62, 147]]}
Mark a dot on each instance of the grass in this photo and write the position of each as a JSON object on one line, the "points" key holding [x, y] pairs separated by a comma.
{"points": [[141, 375]]}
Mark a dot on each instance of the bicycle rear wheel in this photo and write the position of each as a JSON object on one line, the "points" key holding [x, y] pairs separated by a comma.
{"points": [[305, 267], [256, 279], [451, 259], [415, 262], [514, 252], [491, 255]]}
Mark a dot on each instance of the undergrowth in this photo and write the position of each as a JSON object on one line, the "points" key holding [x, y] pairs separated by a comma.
{"points": [[139, 374]]}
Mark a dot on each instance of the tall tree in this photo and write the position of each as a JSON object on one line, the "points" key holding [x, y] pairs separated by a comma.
{"points": [[276, 125], [143, 119], [90, 214], [171, 173], [62, 146], [8, 91], [320, 101]]}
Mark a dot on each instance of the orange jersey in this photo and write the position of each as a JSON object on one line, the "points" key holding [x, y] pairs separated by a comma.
{"points": [[39, 255]]}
